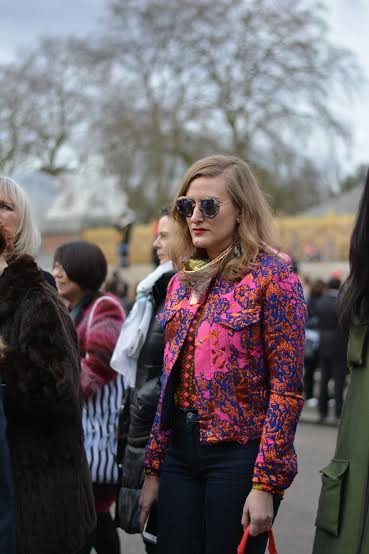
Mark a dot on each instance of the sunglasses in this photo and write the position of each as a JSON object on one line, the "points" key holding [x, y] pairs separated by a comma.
{"points": [[209, 207]]}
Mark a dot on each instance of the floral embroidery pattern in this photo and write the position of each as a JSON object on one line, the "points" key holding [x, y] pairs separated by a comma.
{"points": [[248, 365]]}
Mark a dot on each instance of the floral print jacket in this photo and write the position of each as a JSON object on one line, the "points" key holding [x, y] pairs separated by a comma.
{"points": [[249, 352]]}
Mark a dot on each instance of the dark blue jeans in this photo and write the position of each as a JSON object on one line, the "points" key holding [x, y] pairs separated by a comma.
{"points": [[202, 492]]}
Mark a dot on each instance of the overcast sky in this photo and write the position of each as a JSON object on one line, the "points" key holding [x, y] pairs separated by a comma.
{"points": [[23, 21], [349, 20]]}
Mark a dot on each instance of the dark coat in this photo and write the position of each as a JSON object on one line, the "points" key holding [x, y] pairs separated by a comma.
{"points": [[333, 343], [138, 415], [49, 278], [7, 523], [39, 362], [343, 514]]}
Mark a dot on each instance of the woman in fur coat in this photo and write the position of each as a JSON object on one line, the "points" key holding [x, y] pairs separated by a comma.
{"points": [[39, 364]]}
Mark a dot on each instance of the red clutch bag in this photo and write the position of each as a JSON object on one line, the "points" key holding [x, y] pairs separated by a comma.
{"points": [[242, 546]]}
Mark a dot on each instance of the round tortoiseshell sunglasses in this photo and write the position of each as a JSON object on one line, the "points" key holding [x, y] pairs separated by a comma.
{"points": [[209, 206]]}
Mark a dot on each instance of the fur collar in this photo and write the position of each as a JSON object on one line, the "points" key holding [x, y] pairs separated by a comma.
{"points": [[21, 274]]}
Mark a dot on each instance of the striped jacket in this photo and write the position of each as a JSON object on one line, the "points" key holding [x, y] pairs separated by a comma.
{"points": [[98, 328]]}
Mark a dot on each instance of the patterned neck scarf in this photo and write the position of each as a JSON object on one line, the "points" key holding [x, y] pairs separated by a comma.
{"points": [[199, 273]]}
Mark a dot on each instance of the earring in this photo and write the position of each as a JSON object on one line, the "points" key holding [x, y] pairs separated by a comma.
{"points": [[237, 249]]}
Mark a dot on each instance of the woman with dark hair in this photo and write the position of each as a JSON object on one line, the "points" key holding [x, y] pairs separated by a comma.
{"points": [[40, 367], [343, 514], [80, 269], [220, 453]]}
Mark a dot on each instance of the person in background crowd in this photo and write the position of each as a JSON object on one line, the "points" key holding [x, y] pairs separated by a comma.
{"points": [[343, 514], [154, 256], [294, 265], [220, 454], [39, 365], [317, 289], [311, 361], [142, 397], [125, 226], [332, 349], [119, 287], [80, 269]]}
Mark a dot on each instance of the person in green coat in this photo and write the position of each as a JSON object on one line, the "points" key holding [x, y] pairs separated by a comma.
{"points": [[342, 523]]}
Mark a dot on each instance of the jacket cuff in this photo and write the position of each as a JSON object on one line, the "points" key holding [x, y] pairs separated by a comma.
{"points": [[151, 471], [267, 488]]}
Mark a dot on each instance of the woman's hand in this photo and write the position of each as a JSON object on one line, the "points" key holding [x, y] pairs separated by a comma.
{"points": [[149, 494], [258, 512]]}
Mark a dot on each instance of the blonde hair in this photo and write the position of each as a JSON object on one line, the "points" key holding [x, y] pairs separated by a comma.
{"points": [[256, 230], [27, 237]]}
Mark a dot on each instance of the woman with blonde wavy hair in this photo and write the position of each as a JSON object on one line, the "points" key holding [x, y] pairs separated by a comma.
{"points": [[221, 453]]}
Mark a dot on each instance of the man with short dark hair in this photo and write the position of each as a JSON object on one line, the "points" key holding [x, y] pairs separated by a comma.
{"points": [[7, 527], [332, 349]]}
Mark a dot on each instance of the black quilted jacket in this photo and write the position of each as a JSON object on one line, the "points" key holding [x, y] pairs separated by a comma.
{"points": [[137, 416]]}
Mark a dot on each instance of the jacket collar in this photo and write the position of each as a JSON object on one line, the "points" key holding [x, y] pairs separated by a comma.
{"points": [[21, 274]]}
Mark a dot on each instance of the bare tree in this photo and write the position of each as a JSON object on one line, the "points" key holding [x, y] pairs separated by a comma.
{"points": [[161, 84], [146, 148], [251, 77], [146, 129], [15, 117], [354, 179], [272, 71], [61, 96], [48, 95]]}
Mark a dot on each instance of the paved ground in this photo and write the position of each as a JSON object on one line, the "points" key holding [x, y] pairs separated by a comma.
{"points": [[294, 526]]}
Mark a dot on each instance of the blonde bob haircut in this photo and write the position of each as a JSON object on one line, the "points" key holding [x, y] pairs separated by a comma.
{"points": [[27, 237], [256, 231]]}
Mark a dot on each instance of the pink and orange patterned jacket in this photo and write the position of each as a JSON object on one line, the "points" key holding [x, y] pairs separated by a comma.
{"points": [[249, 351]]}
